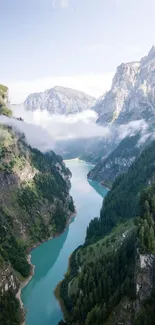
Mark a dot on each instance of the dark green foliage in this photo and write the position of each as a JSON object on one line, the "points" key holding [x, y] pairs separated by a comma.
{"points": [[59, 219], [146, 222], [102, 285], [121, 203], [48, 162], [71, 206], [73, 272], [11, 250], [9, 309]]}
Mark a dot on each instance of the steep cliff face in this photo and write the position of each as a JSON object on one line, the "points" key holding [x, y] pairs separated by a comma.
{"points": [[123, 83], [132, 94], [59, 100], [131, 98], [33, 185], [128, 312], [35, 204], [117, 162]]}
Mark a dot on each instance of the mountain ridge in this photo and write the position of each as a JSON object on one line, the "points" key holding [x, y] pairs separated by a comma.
{"points": [[59, 100], [131, 98], [131, 79]]}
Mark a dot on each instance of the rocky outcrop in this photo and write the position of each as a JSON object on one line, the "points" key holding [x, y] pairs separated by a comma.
{"points": [[59, 100], [128, 310], [8, 279], [131, 99], [117, 162], [132, 95], [35, 205]]}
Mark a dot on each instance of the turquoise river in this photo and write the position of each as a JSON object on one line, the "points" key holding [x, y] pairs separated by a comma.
{"points": [[51, 258]]}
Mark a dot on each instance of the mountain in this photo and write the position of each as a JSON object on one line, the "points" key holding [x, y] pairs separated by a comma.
{"points": [[110, 279], [59, 100], [117, 162], [130, 99], [4, 110], [132, 95], [35, 204]]}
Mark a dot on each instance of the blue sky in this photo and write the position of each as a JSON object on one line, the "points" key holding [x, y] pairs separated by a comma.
{"points": [[75, 43]]}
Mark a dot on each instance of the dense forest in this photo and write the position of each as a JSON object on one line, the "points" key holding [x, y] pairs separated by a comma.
{"points": [[121, 202], [101, 285], [10, 309], [103, 272]]}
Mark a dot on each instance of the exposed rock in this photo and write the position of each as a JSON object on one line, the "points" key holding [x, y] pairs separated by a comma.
{"points": [[131, 98], [59, 100], [132, 95]]}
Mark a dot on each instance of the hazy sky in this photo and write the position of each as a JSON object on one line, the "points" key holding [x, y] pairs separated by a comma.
{"points": [[75, 43]]}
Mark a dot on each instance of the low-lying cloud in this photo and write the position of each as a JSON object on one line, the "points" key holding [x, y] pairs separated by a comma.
{"points": [[132, 128], [43, 130], [62, 127], [36, 136]]}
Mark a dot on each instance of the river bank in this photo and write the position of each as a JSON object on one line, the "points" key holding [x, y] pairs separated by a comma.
{"points": [[51, 258], [26, 281]]}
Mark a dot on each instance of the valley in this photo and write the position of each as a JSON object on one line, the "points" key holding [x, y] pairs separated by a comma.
{"points": [[51, 258], [97, 256]]}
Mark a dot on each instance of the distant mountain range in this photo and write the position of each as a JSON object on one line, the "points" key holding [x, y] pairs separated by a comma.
{"points": [[59, 100], [131, 98]]}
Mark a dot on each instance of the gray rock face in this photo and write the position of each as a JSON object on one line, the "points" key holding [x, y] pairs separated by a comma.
{"points": [[132, 95], [131, 98], [59, 100], [117, 162]]}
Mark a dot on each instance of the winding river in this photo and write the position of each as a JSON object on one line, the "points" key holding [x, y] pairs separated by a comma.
{"points": [[51, 258]]}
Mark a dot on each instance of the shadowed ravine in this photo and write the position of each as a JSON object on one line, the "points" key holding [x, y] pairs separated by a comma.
{"points": [[51, 258]]}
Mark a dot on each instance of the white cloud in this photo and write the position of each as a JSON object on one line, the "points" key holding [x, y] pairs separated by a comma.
{"points": [[61, 3], [60, 127], [92, 84], [36, 136], [132, 128]]}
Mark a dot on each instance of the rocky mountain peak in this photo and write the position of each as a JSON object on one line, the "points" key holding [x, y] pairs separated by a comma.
{"points": [[125, 75], [151, 56], [59, 100], [132, 95]]}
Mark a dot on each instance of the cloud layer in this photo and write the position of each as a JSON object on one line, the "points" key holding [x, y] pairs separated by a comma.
{"points": [[43, 130]]}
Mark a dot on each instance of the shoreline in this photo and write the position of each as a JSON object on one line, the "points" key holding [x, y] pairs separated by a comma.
{"points": [[79, 160], [105, 186], [60, 300], [27, 280], [23, 285], [57, 292]]}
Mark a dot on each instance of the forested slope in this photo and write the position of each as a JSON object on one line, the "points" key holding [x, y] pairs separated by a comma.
{"points": [[34, 205], [110, 279]]}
